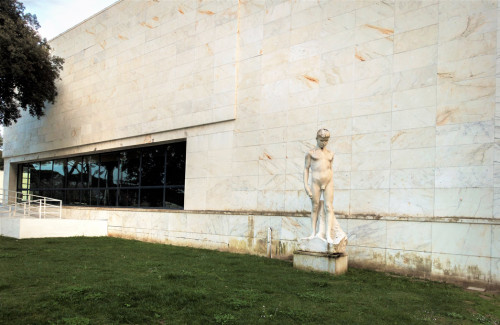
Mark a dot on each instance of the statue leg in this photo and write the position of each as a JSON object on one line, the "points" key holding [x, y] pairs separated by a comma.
{"points": [[316, 193], [322, 216], [334, 234]]}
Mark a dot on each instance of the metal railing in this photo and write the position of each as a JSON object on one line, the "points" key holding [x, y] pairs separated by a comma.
{"points": [[26, 205]]}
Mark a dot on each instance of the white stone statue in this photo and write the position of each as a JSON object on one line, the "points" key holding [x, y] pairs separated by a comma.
{"points": [[326, 236]]}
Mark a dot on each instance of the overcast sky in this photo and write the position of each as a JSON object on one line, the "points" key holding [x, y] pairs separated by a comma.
{"points": [[57, 16]]}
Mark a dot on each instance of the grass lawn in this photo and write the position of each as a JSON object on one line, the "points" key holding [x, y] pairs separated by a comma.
{"points": [[116, 281]]}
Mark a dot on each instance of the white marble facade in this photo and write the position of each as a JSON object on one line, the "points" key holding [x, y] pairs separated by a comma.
{"points": [[406, 88]]}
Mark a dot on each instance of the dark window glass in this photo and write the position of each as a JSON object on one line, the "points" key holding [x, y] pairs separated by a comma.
{"points": [[58, 194], [73, 197], [153, 166], [109, 169], [148, 177], [174, 198], [74, 169], [85, 197], [96, 197], [152, 198], [34, 175], [129, 168], [59, 175], [94, 171], [128, 197], [46, 175], [176, 163], [86, 166], [109, 197]]}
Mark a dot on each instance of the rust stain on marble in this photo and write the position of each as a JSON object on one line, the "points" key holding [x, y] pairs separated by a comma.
{"points": [[312, 79], [122, 37], [155, 18], [144, 24], [89, 32], [265, 155], [443, 118], [206, 12], [385, 31], [209, 49], [358, 56], [103, 44], [445, 75], [396, 136], [180, 10]]}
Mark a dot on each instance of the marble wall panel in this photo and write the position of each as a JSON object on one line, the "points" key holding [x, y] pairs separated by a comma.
{"points": [[425, 16], [412, 202], [470, 202], [412, 178], [409, 236], [371, 123], [370, 202], [375, 160], [371, 105], [495, 241], [416, 38], [413, 158], [409, 262], [294, 228], [414, 98], [461, 239], [465, 155], [414, 59], [466, 133], [371, 257], [341, 202], [372, 179], [413, 138], [414, 118], [245, 200], [371, 142], [473, 176], [367, 233], [471, 268]]}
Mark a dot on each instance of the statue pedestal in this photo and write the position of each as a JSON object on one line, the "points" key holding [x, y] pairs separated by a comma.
{"points": [[316, 254], [335, 263]]}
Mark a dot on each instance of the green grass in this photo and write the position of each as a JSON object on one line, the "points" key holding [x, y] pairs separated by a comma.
{"points": [[116, 281]]}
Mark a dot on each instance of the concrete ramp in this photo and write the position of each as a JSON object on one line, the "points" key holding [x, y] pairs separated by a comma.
{"points": [[43, 228]]}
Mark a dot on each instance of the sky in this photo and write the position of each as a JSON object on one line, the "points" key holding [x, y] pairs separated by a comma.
{"points": [[57, 16]]}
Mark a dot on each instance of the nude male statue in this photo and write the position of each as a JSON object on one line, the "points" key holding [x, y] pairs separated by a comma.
{"points": [[320, 161]]}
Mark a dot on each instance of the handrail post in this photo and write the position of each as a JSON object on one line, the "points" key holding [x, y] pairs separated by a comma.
{"points": [[40, 210], [44, 207], [60, 209], [24, 210]]}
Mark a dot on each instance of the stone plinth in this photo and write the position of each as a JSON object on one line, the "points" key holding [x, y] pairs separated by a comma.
{"points": [[320, 245], [335, 263]]}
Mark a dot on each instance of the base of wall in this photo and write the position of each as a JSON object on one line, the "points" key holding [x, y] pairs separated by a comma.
{"points": [[320, 262], [20, 228], [441, 249]]}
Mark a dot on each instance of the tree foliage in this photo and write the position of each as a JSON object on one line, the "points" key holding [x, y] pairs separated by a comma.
{"points": [[27, 69]]}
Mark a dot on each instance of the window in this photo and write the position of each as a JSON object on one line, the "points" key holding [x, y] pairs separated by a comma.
{"points": [[145, 177]]}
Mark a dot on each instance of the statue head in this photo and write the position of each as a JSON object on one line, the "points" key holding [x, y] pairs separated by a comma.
{"points": [[322, 137]]}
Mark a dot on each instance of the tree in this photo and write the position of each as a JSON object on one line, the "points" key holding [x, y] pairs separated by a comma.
{"points": [[27, 69]]}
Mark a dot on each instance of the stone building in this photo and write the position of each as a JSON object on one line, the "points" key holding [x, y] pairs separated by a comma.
{"points": [[187, 122]]}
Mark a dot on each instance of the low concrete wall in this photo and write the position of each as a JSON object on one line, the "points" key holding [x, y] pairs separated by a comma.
{"points": [[455, 250], [42, 228]]}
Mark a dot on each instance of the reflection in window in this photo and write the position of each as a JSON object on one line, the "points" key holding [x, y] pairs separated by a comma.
{"points": [[129, 168], [108, 174], [146, 177], [59, 175], [153, 167], [74, 172]]}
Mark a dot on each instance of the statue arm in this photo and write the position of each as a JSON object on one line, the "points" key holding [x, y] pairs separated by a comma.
{"points": [[307, 165]]}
